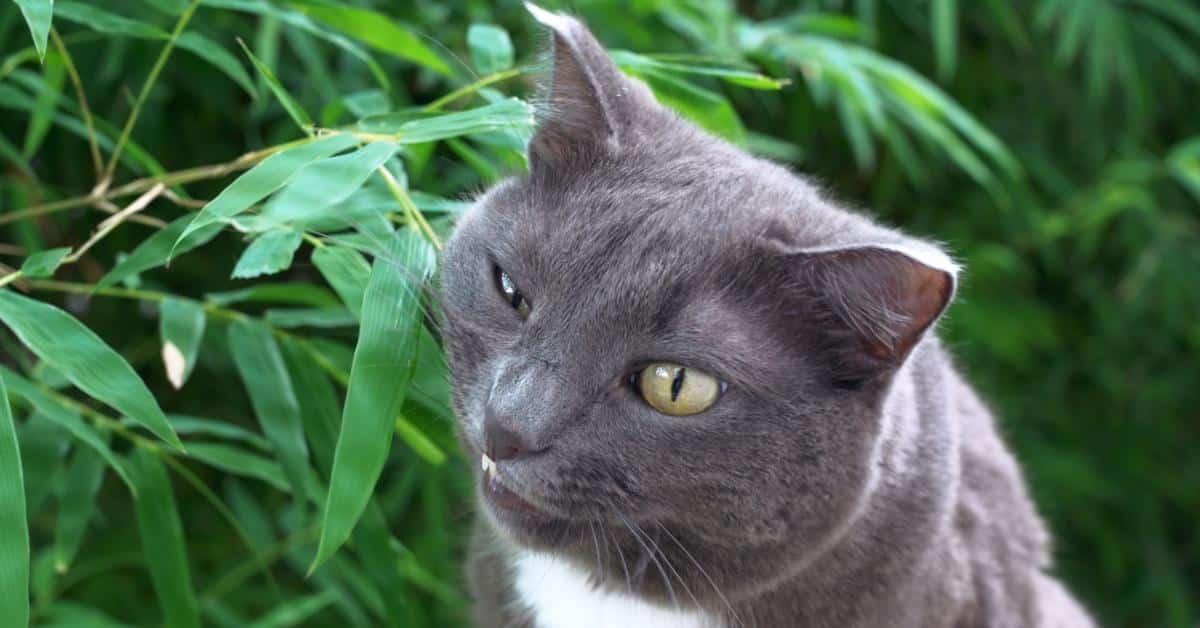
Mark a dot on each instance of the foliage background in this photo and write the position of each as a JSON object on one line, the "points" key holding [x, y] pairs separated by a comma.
{"points": [[1052, 144]]}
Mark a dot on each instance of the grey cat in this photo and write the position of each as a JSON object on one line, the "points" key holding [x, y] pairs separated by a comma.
{"points": [[703, 394]]}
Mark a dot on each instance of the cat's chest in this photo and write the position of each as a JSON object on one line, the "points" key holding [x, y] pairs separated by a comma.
{"points": [[559, 595]]}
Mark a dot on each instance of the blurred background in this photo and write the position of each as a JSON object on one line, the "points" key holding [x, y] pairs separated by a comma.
{"points": [[1053, 145]]}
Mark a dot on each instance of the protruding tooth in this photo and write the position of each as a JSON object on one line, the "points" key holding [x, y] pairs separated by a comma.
{"points": [[489, 466]]}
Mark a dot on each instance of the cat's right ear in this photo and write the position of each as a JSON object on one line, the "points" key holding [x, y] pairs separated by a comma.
{"points": [[588, 106]]}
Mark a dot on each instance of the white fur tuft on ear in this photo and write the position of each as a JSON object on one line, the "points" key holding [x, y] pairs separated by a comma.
{"points": [[552, 20]]}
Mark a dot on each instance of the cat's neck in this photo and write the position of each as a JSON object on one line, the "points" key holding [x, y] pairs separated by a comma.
{"points": [[556, 594]]}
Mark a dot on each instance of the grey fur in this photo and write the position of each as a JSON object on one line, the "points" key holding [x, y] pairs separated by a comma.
{"points": [[848, 477]]}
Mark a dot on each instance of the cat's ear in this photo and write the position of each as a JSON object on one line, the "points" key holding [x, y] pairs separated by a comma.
{"points": [[874, 302], [588, 105]]}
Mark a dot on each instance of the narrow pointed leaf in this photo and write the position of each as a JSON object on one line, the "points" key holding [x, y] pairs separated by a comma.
{"points": [[268, 254], [181, 327], [263, 179], [491, 48], [163, 544], [90, 364], [43, 444], [944, 17], [294, 293], [295, 612], [44, 263], [510, 113], [378, 31], [157, 249], [382, 368], [239, 462], [345, 270], [289, 102], [219, 57], [75, 508], [329, 317], [265, 377], [319, 409], [67, 419], [321, 186], [14, 529], [419, 442], [54, 74], [38, 14]]}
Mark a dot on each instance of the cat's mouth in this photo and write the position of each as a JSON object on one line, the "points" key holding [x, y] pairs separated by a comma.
{"points": [[500, 495]]}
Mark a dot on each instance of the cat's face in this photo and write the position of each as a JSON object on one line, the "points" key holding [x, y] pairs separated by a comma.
{"points": [[637, 241]]}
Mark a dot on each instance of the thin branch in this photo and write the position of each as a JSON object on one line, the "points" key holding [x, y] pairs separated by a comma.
{"points": [[108, 206], [112, 222], [410, 210], [11, 249], [467, 90], [102, 186], [86, 111]]}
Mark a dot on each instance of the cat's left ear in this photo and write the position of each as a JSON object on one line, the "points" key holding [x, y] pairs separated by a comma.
{"points": [[588, 104], [876, 301]]}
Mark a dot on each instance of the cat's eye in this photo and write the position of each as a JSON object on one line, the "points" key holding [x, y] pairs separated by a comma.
{"points": [[508, 289], [677, 390]]}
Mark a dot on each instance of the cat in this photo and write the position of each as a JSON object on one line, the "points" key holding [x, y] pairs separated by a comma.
{"points": [[703, 394]]}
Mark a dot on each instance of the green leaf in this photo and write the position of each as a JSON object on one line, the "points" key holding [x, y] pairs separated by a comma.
{"points": [[491, 49], [303, 23], [295, 611], [379, 377], [76, 506], [319, 187], [65, 343], [266, 379], [419, 442], [63, 614], [295, 293], [163, 544], [14, 530], [219, 57], [319, 409], [37, 15], [157, 249], [269, 254], [263, 179], [44, 263], [239, 462], [345, 270], [376, 30], [199, 426], [290, 105], [706, 108], [42, 447], [54, 74], [634, 63], [509, 113], [67, 419], [944, 18], [316, 317], [181, 327]]}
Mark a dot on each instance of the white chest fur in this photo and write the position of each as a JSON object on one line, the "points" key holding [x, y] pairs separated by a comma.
{"points": [[560, 596]]}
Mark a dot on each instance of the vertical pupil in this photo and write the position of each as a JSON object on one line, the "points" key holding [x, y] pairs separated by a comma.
{"points": [[677, 383]]}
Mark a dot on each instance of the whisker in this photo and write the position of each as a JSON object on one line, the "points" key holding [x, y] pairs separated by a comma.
{"points": [[703, 572], [650, 554]]}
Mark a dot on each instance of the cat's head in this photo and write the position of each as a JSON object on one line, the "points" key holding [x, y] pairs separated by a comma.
{"points": [[658, 340]]}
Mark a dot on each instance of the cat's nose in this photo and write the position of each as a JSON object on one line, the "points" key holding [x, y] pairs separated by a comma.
{"points": [[502, 441]]}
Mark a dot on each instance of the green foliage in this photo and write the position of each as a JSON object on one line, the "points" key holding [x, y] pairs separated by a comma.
{"points": [[318, 152]]}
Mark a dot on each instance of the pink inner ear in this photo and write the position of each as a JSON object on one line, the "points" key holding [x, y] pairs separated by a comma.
{"points": [[925, 293]]}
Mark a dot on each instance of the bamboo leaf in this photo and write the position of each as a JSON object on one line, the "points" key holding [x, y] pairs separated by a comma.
{"points": [[506, 114], [382, 368], [44, 263], [38, 14], [199, 426], [944, 20], [54, 74], [633, 62], [98, 19], [319, 409], [317, 317], [319, 187], [263, 179], [269, 254], [14, 529], [157, 249], [266, 379], [491, 48], [419, 442], [376, 30], [296, 611], [67, 419], [239, 462], [163, 544], [42, 448], [290, 105], [90, 364], [181, 327], [75, 508], [345, 270], [218, 57], [295, 293]]}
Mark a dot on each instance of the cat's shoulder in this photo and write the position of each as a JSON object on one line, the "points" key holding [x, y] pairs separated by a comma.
{"points": [[557, 594]]}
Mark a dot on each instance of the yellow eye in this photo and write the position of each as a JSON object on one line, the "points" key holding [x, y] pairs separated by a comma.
{"points": [[677, 390]]}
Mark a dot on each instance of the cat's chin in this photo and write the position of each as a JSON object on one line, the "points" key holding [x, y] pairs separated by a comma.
{"points": [[522, 522]]}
